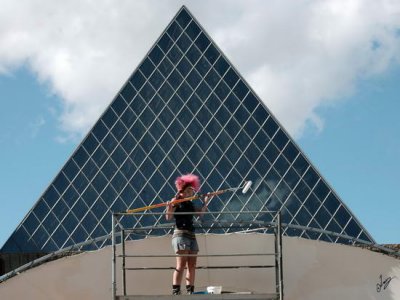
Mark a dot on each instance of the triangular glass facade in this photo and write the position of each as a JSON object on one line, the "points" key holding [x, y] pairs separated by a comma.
{"points": [[184, 109]]}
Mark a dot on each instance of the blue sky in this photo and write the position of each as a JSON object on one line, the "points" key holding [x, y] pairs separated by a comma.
{"points": [[328, 70]]}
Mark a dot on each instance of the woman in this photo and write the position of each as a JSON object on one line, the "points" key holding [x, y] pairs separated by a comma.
{"points": [[184, 239]]}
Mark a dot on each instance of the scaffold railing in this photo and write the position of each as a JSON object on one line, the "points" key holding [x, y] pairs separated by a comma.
{"points": [[118, 230]]}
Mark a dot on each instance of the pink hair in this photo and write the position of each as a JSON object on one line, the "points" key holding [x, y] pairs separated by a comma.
{"points": [[187, 180]]}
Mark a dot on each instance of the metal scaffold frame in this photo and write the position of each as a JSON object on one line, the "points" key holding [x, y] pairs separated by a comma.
{"points": [[119, 230]]}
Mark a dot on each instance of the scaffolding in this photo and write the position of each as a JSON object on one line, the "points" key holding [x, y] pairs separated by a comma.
{"points": [[118, 230]]}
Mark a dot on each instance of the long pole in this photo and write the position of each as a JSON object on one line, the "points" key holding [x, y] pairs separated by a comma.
{"points": [[245, 187]]}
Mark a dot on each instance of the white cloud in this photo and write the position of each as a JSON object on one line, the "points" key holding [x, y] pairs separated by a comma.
{"points": [[297, 55]]}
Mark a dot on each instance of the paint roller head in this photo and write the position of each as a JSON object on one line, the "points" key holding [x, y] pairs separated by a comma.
{"points": [[247, 186]]}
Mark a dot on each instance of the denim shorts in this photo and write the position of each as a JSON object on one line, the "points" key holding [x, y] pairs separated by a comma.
{"points": [[184, 240]]}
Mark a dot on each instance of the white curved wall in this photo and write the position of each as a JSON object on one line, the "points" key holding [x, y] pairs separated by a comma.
{"points": [[312, 270]]}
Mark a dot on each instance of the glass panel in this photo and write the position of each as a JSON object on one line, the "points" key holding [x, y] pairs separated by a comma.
{"points": [[302, 191], [165, 67], [61, 183], [60, 209], [321, 190], [70, 196], [231, 78], [147, 142], [99, 130], [176, 129], [99, 156], [312, 204], [203, 66], [119, 130], [293, 204], [193, 54], [174, 31], [165, 43], [311, 177], [195, 153], [280, 139], [221, 66], [184, 66], [128, 117], [281, 165], [222, 115], [240, 90], [156, 104], [119, 104], [80, 157], [156, 79], [147, 93], [332, 204], [147, 67], [137, 80], [51, 196], [261, 140], [184, 42], [166, 167], [303, 217], [213, 128], [300, 165], [231, 103], [271, 153], [202, 42], [109, 143], [118, 156], [342, 216], [184, 91], [290, 152], [119, 181], [137, 130], [212, 78], [194, 79], [109, 118], [193, 30], [128, 142], [183, 18], [233, 153], [322, 217], [222, 90], [262, 165], [156, 55], [251, 102], [292, 178], [80, 183], [174, 54], [232, 128], [211, 54], [261, 115], [166, 91], [80, 209], [99, 182], [90, 169]]}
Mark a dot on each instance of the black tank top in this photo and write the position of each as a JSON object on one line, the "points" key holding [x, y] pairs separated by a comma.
{"points": [[184, 221]]}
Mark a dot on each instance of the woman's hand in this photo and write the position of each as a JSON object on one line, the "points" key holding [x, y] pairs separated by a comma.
{"points": [[170, 209]]}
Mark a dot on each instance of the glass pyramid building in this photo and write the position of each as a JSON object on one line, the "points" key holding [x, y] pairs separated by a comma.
{"points": [[184, 109]]}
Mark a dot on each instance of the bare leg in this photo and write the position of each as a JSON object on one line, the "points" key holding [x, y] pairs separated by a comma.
{"points": [[191, 269], [181, 262]]}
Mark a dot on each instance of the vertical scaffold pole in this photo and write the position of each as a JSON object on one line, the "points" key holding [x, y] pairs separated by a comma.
{"points": [[276, 240], [113, 272], [280, 269], [123, 262]]}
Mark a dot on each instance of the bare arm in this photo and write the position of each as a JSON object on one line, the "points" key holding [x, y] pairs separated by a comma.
{"points": [[169, 212]]}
